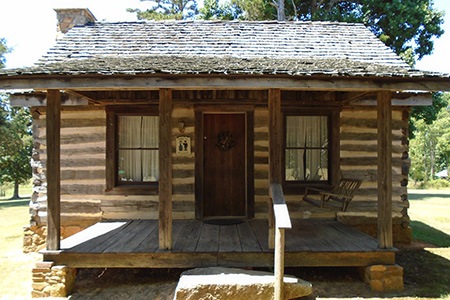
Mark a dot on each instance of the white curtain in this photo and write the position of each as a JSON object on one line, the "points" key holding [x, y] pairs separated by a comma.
{"points": [[306, 148], [138, 148]]}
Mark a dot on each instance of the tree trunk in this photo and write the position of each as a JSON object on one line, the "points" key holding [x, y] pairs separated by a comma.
{"points": [[16, 190], [280, 11], [313, 7]]}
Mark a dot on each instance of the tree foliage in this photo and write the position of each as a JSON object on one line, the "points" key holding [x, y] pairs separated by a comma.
{"points": [[15, 144], [168, 9], [430, 147], [15, 139], [3, 50], [406, 26]]}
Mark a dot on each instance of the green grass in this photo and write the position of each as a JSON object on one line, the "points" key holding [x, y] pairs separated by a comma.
{"points": [[6, 191], [430, 216], [16, 284], [426, 233]]}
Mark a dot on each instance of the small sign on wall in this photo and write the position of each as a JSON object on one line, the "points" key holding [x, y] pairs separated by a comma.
{"points": [[183, 145]]}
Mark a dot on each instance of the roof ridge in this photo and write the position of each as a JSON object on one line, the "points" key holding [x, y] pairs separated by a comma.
{"points": [[229, 22]]}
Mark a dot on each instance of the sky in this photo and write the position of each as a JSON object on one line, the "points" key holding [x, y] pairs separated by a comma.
{"points": [[29, 27]]}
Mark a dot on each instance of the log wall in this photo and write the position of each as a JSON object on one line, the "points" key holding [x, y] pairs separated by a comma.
{"points": [[83, 140]]}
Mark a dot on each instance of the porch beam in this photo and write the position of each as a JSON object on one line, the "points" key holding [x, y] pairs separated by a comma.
{"points": [[53, 129], [384, 108], [275, 148], [27, 100], [165, 169], [324, 83]]}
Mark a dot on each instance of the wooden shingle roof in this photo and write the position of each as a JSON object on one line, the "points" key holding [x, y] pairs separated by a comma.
{"points": [[220, 47]]}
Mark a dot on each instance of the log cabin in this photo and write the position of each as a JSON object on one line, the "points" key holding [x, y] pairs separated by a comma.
{"points": [[156, 142]]}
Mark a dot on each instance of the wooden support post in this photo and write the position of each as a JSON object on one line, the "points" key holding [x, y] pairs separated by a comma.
{"points": [[53, 132], [165, 169], [279, 263], [275, 155], [384, 169]]}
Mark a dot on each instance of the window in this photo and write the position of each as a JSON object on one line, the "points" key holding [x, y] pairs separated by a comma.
{"points": [[137, 149], [311, 148], [307, 148], [132, 156]]}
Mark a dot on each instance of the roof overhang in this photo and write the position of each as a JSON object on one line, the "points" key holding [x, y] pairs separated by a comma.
{"points": [[222, 82]]}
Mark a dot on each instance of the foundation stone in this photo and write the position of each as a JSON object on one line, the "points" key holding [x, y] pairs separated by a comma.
{"points": [[228, 283], [52, 281], [383, 278]]}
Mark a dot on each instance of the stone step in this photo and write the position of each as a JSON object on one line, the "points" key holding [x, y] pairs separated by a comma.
{"points": [[230, 283]]}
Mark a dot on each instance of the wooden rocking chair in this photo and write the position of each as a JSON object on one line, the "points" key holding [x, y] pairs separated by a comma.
{"points": [[342, 193]]}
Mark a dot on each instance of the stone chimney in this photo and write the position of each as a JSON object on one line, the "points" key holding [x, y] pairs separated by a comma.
{"points": [[70, 17]]}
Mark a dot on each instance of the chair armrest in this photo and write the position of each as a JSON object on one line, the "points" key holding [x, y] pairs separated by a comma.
{"points": [[318, 191], [339, 196]]}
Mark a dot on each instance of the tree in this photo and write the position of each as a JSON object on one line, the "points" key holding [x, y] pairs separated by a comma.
{"points": [[430, 147], [15, 139], [3, 50], [168, 9], [15, 145], [428, 114], [406, 26]]}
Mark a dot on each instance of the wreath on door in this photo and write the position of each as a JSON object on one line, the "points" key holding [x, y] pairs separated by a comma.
{"points": [[225, 141]]}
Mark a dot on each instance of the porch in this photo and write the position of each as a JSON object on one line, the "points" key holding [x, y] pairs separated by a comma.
{"points": [[135, 243]]}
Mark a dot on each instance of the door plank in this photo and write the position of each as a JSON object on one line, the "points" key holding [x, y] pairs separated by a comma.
{"points": [[224, 165]]}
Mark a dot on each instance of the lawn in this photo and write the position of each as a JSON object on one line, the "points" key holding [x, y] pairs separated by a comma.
{"points": [[427, 271], [430, 216], [14, 265]]}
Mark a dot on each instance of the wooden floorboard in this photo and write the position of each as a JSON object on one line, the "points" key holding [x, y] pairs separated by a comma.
{"points": [[229, 240], [260, 228], [249, 241], [189, 236], [195, 244], [209, 239], [124, 241], [149, 244], [143, 242]]}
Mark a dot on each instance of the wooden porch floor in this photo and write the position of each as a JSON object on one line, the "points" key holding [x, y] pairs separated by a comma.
{"points": [[196, 244]]}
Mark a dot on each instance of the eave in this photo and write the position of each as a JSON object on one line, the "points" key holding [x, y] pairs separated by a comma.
{"points": [[221, 82]]}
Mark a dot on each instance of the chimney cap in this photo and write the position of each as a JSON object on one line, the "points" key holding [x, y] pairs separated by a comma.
{"points": [[85, 11], [70, 17]]}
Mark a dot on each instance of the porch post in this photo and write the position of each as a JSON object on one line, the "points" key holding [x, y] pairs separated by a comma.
{"points": [[53, 127], [384, 107], [165, 169], [275, 148]]}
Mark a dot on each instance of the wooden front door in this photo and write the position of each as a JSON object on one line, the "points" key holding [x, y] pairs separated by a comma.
{"points": [[224, 188]]}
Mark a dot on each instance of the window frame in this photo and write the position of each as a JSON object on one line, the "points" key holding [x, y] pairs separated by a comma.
{"points": [[113, 186], [294, 187]]}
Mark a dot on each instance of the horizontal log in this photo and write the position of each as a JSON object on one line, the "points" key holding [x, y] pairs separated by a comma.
{"points": [[191, 260], [82, 189], [80, 207], [76, 138], [183, 173], [184, 189], [78, 122], [366, 161], [28, 100], [413, 100], [370, 123], [351, 136], [255, 82], [68, 174], [368, 148]]}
